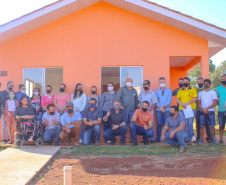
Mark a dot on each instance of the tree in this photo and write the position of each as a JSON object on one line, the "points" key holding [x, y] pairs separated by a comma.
{"points": [[216, 76]]}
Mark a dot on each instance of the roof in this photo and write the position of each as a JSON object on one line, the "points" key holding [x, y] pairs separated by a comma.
{"points": [[215, 35]]}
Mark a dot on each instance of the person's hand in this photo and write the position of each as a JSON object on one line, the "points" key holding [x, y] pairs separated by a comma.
{"points": [[9, 113], [171, 135], [52, 121], [163, 138], [145, 127], [90, 122], [68, 130], [108, 113], [122, 107], [184, 106], [162, 109], [115, 127], [205, 111]]}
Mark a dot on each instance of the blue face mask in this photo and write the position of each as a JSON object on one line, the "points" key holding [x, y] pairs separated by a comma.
{"points": [[92, 105], [23, 91]]}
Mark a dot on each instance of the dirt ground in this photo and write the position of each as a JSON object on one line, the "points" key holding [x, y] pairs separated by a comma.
{"points": [[183, 169]]}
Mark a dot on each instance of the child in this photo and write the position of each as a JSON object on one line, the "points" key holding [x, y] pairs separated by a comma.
{"points": [[10, 107]]}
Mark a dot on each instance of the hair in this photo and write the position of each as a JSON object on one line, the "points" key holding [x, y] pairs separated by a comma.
{"points": [[21, 85], [174, 107], [181, 79], [117, 101], [0, 84], [76, 92], [146, 103], [223, 75], [63, 85], [200, 78], [162, 78], [49, 86], [20, 104], [111, 83], [93, 99], [9, 82], [207, 80], [186, 78], [93, 87], [50, 105], [14, 94]]}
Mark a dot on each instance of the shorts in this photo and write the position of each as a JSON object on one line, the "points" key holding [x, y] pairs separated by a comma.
{"points": [[204, 117], [222, 120]]}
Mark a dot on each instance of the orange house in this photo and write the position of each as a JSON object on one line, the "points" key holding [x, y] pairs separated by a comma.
{"points": [[94, 42]]}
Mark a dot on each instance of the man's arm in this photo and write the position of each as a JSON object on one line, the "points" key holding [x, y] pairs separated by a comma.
{"points": [[152, 107], [119, 96], [134, 118], [164, 130]]}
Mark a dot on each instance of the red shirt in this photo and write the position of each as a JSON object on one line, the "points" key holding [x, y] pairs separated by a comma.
{"points": [[143, 118]]}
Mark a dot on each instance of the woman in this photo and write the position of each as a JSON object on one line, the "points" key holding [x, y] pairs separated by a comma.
{"points": [[61, 99], [47, 99], [93, 91], [10, 107], [107, 101], [25, 113], [78, 98], [36, 104]]}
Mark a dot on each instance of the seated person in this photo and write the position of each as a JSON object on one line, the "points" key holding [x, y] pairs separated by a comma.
{"points": [[141, 124], [25, 113], [117, 118], [179, 131], [92, 118], [51, 121], [71, 125]]}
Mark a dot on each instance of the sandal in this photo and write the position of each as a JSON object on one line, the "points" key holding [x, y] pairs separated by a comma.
{"points": [[9, 142], [30, 139]]}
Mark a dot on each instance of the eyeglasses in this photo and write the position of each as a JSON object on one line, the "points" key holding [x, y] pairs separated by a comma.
{"points": [[162, 93]]}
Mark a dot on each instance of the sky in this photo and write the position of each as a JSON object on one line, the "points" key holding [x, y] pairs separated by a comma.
{"points": [[211, 11]]}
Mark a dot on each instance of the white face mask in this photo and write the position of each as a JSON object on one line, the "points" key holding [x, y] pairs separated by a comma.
{"points": [[129, 84], [36, 93], [110, 88], [163, 85]]}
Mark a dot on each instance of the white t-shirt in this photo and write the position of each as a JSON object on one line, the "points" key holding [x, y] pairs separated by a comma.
{"points": [[79, 103], [207, 98]]}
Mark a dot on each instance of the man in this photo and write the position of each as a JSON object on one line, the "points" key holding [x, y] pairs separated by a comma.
{"points": [[117, 119], [164, 97], [187, 96], [4, 97], [180, 87], [197, 116], [92, 118], [221, 93], [148, 95], [51, 122], [179, 132], [207, 100], [142, 123], [21, 92], [128, 98], [71, 125]]}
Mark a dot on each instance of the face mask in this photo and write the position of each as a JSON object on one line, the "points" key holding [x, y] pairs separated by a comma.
{"points": [[200, 85], [36, 93], [162, 85], [48, 91], [223, 82], [206, 86], [92, 105], [116, 107], [69, 111], [171, 114], [186, 84], [93, 92], [110, 88], [23, 91], [52, 113], [11, 96], [144, 109], [145, 88], [129, 84], [10, 88], [62, 89], [180, 85], [79, 90]]}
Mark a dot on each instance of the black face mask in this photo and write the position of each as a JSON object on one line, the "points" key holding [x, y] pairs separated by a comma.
{"points": [[200, 85], [223, 82], [48, 91], [144, 109], [79, 90], [93, 92], [171, 114], [51, 113], [206, 86], [180, 85], [62, 89], [10, 88], [186, 84], [69, 111], [145, 88]]}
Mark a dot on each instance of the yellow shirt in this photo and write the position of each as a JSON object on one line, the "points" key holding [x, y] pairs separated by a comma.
{"points": [[186, 96]]}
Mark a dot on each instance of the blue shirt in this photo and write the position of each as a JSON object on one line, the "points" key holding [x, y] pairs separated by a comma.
{"points": [[93, 115], [164, 98], [19, 95], [221, 93], [65, 118]]}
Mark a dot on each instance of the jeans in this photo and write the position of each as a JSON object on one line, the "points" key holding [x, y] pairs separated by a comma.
{"points": [[161, 120], [137, 130], [49, 134], [204, 117], [178, 139], [82, 130], [110, 134], [94, 130], [222, 120], [39, 118], [129, 115], [4, 127], [189, 124], [106, 123], [208, 131]]}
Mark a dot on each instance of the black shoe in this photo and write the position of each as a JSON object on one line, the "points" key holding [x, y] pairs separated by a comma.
{"points": [[131, 141], [209, 140], [113, 142], [152, 142], [56, 144], [157, 141], [122, 144], [50, 143], [142, 141], [146, 142], [134, 143]]}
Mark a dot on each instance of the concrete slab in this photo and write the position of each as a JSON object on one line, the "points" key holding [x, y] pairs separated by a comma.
{"points": [[19, 166]]}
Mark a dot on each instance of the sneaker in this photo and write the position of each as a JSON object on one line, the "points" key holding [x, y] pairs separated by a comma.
{"points": [[220, 142], [200, 142], [122, 144], [97, 144], [196, 141], [189, 143], [152, 142], [108, 141], [157, 141], [57, 144], [134, 143], [50, 143], [182, 150], [209, 140], [4, 141], [80, 141], [146, 142], [176, 146], [113, 142], [214, 142]]}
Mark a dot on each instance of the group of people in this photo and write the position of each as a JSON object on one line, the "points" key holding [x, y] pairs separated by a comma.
{"points": [[76, 116]]}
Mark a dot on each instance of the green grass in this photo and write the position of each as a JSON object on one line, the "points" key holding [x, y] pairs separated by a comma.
{"points": [[122, 151]]}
